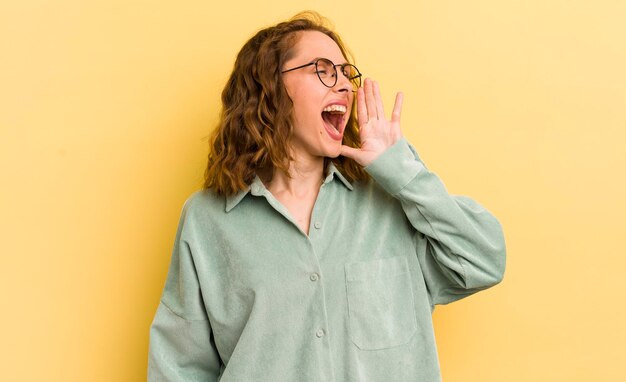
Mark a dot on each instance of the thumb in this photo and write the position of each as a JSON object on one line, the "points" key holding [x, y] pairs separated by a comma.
{"points": [[349, 152]]}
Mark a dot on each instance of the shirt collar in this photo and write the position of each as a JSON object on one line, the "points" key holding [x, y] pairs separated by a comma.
{"points": [[334, 171], [257, 187]]}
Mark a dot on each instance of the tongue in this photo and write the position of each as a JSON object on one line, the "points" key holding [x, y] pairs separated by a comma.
{"points": [[332, 119]]}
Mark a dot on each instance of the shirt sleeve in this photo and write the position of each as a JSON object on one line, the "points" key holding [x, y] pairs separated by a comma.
{"points": [[182, 347], [460, 245]]}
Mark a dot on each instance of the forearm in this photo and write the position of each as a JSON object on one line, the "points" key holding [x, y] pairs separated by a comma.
{"points": [[464, 239]]}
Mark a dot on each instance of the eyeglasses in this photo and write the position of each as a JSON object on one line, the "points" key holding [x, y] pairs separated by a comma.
{"points": [[327, 72]]}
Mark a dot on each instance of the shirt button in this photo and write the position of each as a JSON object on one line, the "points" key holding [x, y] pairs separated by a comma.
{"points": [[314, 277], [320, 333], [317, 225]]}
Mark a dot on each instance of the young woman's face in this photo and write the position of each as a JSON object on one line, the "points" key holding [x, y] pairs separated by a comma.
{"points": [[317, 133]]}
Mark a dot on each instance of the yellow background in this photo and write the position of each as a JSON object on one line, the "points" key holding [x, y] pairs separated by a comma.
{"points": [[104, 111]]}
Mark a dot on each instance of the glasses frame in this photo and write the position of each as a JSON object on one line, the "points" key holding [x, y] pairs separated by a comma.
{"points": [[342, 66]]}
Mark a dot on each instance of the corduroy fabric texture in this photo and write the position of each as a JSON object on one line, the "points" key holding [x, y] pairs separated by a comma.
{"points": [[250, 297]]}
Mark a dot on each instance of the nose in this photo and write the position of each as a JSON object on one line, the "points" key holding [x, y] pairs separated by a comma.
{"points": [[343, 83]]}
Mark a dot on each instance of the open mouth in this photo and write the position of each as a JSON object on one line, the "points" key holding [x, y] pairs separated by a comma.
{"points": [[333, 116]]}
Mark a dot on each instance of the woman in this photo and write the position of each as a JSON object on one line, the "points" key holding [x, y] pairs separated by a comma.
{"points": [[321, 242]]}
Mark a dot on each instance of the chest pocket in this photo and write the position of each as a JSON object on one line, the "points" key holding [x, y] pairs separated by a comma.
{"points": [[380, 303]]}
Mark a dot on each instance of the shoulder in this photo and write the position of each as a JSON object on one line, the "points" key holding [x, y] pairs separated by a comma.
{"points": [[371, 194], [202, 204]]}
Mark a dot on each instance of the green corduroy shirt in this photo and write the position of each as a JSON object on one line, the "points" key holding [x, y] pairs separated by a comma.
{"points": [[250, 297]]}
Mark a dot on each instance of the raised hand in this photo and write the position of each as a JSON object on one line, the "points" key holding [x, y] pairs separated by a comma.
{"points": [[376, 132]]}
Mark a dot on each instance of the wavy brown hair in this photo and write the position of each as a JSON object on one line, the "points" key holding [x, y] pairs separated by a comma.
{"points": [[255, 124]]}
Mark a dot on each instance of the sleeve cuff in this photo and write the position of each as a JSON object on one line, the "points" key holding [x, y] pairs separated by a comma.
{"points": [[396, 167]]}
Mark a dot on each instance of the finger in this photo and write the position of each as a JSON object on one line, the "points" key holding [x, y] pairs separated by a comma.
{"points": [[380, 110], [370, 101], [361, 108], [397, 108], [395, 116]]}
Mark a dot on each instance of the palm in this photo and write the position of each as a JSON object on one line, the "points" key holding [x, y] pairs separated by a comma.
{"points": [[376, 132]]}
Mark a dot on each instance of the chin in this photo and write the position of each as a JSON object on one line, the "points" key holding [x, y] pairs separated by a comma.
{"points": [[332, 152]]}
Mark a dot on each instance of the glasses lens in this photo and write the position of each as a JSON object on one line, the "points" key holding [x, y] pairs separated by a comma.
{"points": [[353, 74], [326, 72]]}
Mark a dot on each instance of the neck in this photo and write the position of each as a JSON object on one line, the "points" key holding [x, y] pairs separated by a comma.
{"points": [[304, 177]]}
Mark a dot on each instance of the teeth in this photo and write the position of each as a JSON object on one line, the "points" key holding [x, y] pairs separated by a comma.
{"points": [[336, 108]]}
